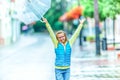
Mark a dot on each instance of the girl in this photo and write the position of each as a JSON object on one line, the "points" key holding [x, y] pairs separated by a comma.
{"points": [[62, 50]]}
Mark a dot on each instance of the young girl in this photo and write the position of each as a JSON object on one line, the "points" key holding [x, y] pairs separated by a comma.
{"points": [[62, 50]]}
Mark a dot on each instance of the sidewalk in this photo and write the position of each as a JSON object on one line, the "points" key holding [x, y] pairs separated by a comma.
{"points": [[87, 66], [88, 52]]}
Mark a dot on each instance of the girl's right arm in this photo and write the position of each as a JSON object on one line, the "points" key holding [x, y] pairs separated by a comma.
{"points": [[52, 35]]}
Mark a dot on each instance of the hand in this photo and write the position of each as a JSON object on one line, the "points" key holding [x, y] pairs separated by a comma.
{"points": [[44, 20], [82, 21]]}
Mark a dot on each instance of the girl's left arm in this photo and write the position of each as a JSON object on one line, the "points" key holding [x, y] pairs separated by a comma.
{"points": [[76, 33]]}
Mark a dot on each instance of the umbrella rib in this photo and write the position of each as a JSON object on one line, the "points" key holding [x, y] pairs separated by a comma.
{"points": [[35, 10], [32, 10]]}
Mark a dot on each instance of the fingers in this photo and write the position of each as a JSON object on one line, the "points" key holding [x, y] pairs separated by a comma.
{"points": [[44, 20], [82, 21]]}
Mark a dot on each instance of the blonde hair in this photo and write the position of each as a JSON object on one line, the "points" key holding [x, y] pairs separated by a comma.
{"points": [[59, 32]]}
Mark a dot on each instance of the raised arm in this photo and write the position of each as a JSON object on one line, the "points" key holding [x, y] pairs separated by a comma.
{"points": [[76, 33], [52, 35]]}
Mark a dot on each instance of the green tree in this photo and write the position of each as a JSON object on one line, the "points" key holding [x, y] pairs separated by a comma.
{"points": [[54, 13], [106, 8]]}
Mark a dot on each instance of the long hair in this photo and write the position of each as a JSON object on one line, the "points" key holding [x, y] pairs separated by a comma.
{"points": [[59, 32]]}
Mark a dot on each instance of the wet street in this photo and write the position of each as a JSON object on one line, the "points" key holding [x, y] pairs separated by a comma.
{"points": [[32, 58]]}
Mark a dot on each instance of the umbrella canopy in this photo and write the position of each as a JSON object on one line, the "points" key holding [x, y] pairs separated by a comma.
{"points": [[74, 13], [29, 11]]}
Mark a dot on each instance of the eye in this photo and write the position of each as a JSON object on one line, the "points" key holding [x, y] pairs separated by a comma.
{"points": [[61, 37]]}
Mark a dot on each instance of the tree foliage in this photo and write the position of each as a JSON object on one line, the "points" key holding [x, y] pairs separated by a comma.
{"points": [[107, 8]]}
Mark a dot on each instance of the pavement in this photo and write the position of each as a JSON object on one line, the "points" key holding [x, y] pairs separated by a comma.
{"points": [[31, 58], [87, 66]]}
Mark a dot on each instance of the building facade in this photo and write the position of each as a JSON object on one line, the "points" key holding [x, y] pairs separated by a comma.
{"points": [[9, 26]]}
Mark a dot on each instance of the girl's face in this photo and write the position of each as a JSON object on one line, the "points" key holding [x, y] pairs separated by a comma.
{"points": [[61, 38]]}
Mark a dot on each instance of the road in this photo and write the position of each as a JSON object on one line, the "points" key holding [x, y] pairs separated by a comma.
{"points": [[31, 58]]}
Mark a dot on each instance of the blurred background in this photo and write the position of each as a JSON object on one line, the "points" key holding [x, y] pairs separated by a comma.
{"points": [[64, 14], [98, 43]]}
